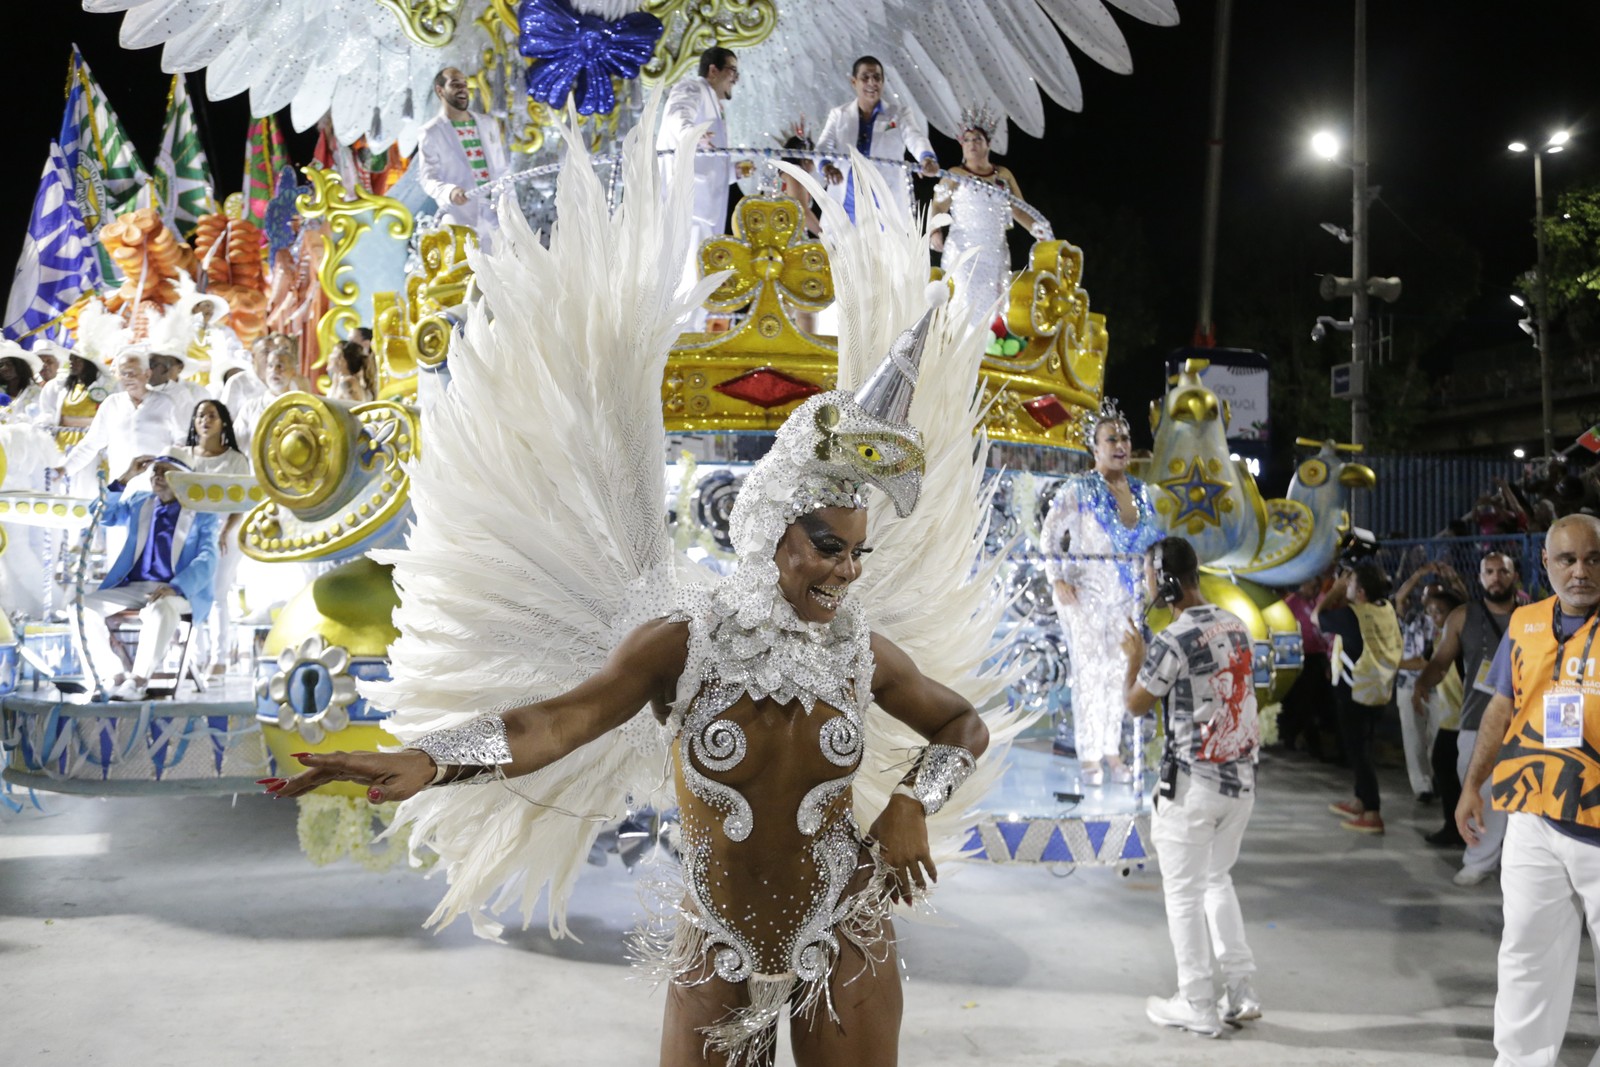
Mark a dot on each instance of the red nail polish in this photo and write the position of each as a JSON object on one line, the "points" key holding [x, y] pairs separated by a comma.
{"points": [[375, 795], [298, 755], [265, 781]]}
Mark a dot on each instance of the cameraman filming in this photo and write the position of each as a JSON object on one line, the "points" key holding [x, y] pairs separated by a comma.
{"points": [[1201, 663]]}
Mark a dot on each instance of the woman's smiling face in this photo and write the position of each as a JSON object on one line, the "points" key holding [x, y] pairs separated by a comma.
{"points": [[818, 557]]}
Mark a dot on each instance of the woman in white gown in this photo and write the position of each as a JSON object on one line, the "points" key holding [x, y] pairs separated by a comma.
{"points": [[1099, 526], [977, 198]]}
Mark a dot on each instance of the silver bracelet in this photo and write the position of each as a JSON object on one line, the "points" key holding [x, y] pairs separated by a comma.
{"points": [[940, 771], [479, 743]]}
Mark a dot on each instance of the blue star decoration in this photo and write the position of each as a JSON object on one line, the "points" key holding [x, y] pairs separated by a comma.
{"points": [[577, 55], [1196, 495]]}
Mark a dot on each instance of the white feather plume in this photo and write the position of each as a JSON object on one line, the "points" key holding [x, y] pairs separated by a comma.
{"points": [[530, 534], [926, 587]]}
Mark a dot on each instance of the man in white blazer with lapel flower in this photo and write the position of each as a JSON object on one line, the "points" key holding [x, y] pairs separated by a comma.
{"points": [[166, 569], [879, 129], [457, 151], [698, 101]]}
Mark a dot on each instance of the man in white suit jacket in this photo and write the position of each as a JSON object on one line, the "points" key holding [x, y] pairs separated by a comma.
{"points": [[694, 102], [458, 151], [879, 129]]}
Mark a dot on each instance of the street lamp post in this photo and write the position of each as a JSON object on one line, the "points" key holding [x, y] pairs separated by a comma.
{"points": [[1541, 305], [1360, 344], [1326, 145]]}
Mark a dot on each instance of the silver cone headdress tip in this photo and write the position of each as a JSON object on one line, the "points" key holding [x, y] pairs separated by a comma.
{"points": [[887, 393]]}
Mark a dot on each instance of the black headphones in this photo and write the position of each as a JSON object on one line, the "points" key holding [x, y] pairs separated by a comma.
{"points": [[1168, 589]]}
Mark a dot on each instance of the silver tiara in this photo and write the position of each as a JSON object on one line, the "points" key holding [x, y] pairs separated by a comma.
{"points": [[1092, 419], [979, 117]]}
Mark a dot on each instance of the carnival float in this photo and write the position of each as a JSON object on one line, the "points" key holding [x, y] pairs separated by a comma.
{"points": [[353, 241]]}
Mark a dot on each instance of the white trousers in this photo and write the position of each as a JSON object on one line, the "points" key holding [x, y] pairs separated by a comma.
{"points": [[1551, 884], [158, 621], [1485, 855], [1197, 836], [1417, 734]]}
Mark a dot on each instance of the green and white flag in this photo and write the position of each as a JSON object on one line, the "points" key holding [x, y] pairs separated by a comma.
{"points": [[108, 178], [183, 176]]}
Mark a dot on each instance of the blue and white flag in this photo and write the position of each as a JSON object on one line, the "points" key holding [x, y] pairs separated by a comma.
{"points": [[58, 263], [108, 177]]}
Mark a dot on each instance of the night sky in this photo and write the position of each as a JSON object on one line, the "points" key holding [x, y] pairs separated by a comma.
{"points": [[1451, 82]]}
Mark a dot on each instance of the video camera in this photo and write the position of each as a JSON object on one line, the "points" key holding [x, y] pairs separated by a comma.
{"points": [[1357, 546]]}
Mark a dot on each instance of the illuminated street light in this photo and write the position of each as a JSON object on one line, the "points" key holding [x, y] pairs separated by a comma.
{"points": [[1517, 300], [1537, 329], [1518, 453], [1325, 144]]}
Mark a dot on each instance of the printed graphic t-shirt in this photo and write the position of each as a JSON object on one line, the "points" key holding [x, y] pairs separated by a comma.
{"points": [[1202, 664]]}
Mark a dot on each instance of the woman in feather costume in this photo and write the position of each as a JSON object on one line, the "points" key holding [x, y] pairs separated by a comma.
{"points": [[539, 629]]}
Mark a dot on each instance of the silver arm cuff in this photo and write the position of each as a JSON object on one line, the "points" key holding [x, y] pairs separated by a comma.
{"points": [[480, 743], [940, 771]]}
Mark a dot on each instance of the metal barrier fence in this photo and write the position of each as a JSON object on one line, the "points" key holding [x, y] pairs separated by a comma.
{"points": [[1401, 558], [1419, 495]]}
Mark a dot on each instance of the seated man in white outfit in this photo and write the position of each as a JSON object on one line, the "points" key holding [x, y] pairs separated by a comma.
{"points": [[132, 423], [879, 129], [457, 151], [166, 568]]}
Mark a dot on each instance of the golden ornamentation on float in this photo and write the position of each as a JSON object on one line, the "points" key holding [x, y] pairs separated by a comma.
{"points": [[443, 285], [351, 607], [1061, 365], [692, 26], [412, 331], [350, 216], [502, 63], [751, 377], [430, 23], [333, 474]]}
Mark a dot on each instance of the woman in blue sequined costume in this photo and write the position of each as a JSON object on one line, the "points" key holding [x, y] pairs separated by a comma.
{"points": [[1095, 536]]}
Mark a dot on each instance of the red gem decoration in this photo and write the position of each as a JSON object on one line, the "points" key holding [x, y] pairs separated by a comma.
{"points": [[767, 388], [1048, 410]]}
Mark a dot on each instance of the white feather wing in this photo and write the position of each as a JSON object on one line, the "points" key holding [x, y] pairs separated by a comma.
{"points": [[350, 60], [926, 587], [539, 529]]}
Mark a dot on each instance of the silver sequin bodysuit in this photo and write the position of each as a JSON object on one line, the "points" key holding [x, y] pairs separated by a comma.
{"points": [[775, 871]]}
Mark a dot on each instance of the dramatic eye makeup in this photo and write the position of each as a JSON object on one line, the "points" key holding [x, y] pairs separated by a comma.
{"points": [[824, 540]]}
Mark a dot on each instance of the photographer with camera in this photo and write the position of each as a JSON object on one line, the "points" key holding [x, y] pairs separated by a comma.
{"points": [[1201, 664], [1356, 615]]}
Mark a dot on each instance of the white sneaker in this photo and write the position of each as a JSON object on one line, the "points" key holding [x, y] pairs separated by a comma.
{"points": [[1239, 1003], [1470, 876], [127, 690], [1177, 1011]]}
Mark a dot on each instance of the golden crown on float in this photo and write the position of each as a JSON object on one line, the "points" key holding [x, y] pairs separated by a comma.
{"points": [[753, 374]]}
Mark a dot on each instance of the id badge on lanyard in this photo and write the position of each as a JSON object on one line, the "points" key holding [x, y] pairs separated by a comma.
{"points": [[1564, 700]]}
